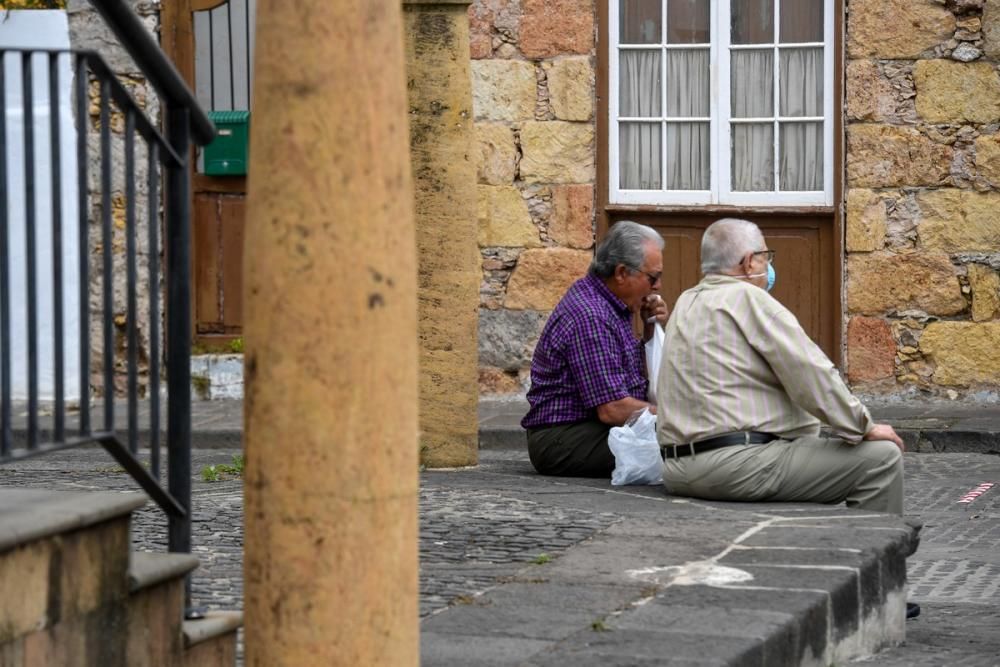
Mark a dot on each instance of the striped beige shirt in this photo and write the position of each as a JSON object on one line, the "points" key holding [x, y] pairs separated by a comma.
{"points": [[735, 359]]}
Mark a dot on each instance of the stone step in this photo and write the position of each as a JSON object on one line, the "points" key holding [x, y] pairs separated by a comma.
{"points": [[156, 608], [63, 563], [27, 515], [63, 558], [789, 584], [146, 570], [211, 641]]}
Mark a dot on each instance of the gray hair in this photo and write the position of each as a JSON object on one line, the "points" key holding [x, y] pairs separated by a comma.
{"points": [[725, 243], [625, 244]]}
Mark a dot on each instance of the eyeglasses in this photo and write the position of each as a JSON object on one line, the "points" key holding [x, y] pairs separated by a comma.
{"points": [[769, 253], [653, 278]]}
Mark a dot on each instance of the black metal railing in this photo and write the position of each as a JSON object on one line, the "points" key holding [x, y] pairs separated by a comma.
{"points": [[99, 100]]}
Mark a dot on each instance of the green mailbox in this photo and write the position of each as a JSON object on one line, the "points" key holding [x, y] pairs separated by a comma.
{"points": [[227, 155]]}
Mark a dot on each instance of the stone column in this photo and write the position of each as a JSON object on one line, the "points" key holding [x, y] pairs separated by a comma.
{"points": [[444, 169], [331, 351]]}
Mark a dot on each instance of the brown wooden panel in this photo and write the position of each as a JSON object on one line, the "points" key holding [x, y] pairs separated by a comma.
{"points": [[205, 265], [203, 5], [806, 263], [797, 265], [233, 211], [218, 209], [227, 184], [680, 259]]}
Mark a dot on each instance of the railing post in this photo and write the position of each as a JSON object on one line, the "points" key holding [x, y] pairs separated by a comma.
{"points": [[177, 218]]}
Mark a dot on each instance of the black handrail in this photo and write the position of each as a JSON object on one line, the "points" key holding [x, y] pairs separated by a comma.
{"points": [[168, 159], [169, 164], [158, 69]]}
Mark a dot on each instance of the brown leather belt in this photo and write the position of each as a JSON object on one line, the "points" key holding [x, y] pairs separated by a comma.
{"points": [[725, 440]]}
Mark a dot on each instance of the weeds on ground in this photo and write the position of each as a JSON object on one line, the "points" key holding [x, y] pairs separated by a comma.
{"points": [[541, 559], [222, 471]]}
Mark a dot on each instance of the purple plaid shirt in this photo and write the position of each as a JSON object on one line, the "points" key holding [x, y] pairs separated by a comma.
{"points": [[587, 355]]}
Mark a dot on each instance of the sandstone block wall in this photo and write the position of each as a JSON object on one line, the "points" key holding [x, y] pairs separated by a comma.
{"points": [[533, 101], [923, 185]]}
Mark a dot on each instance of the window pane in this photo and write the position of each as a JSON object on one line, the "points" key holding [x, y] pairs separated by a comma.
{"points": [[688, 156], [753, 157], [639, 156], [639, 83], [801, 91], [751, 86], [639, 22], [801, 150], [801, 21], [688, 83], [687, 22], [752, 21]]}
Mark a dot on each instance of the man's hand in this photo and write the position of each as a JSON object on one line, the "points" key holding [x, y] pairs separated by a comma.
{"points": [[653, 308], [885, 432]]}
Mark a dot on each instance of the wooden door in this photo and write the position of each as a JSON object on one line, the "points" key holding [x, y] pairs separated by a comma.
{"points": [[211, 43], [806, 255]]}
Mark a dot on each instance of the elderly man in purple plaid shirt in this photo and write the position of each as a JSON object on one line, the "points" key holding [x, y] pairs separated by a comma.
{"points": [[588, 372]]}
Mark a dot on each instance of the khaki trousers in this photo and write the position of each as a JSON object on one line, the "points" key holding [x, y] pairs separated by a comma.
{"points": [[867, 476]]}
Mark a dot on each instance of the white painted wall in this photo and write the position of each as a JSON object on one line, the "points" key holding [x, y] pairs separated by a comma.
{"points": [[41, 29]]}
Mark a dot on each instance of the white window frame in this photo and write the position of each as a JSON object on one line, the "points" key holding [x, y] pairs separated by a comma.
{"points": [[719, 125]]}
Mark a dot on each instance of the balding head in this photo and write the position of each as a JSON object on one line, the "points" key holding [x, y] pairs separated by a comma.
{"points": [[726, 242]]}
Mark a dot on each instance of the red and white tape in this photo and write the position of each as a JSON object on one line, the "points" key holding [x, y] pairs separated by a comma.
{"points": [[976, 492]]}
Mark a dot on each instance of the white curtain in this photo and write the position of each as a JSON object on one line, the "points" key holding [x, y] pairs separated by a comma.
{"points": [[801, 94], [639, 143], [752, 96], [639, 156], [801, 167], [688, 96]]}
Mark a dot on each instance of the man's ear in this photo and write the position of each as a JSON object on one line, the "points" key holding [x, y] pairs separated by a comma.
{"points": [[747, 264], [621, 272]]}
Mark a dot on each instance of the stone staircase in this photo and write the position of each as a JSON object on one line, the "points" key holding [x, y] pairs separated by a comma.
{"points": [[71, 593]]}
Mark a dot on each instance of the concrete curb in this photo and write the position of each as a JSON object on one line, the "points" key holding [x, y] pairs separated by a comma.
{"points": [[689, 582]]}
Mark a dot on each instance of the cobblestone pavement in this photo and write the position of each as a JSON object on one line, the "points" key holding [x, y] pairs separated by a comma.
{"points": [[472, 538], [955, 574]]}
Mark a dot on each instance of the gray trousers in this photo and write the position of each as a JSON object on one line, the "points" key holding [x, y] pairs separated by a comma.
{"points": [[867, 476]]}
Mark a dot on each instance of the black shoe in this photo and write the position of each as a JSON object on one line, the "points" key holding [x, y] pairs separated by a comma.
{"points": [[912, 610]]}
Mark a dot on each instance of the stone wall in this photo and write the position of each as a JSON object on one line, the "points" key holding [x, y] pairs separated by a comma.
{"points": [[922, 275], [88, 31], [533, 99], [923, 185]]}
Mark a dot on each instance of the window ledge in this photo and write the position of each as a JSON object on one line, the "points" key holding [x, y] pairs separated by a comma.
{"points": [[720, 210]]}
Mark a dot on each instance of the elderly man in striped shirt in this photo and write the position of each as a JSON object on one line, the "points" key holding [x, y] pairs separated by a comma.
{"points": [[743, 392], [588, 371]]}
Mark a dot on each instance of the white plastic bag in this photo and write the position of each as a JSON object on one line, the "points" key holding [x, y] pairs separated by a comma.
{"points": [[637, 454], [654, 350]]}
